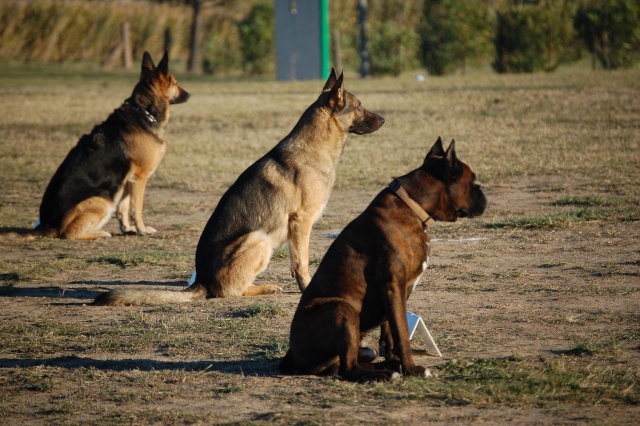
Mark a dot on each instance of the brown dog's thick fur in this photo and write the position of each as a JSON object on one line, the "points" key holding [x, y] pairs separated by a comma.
{"points": [[276, 200], [107, 171], [370, 270]]}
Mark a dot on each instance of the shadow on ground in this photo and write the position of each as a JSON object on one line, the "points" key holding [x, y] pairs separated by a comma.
{"points": [[242, 367]]}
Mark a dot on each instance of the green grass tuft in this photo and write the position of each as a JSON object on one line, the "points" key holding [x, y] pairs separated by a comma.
{"points": [[131, 259], [559, 220], [265, 309]]}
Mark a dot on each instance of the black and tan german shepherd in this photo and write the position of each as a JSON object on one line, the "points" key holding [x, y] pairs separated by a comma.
{"points": [[107, 171], [276, 200]]}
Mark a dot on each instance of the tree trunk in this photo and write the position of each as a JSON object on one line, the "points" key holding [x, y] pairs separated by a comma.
{"points": [[193, 65], [127, 56], [337, 56], [365, 65]]}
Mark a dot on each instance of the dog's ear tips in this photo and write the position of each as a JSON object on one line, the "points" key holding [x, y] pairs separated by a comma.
{"points": [[163, 66], [338, 88], [147, 62], [331, 80], [436, 149], [451, 152], [336, 93]]}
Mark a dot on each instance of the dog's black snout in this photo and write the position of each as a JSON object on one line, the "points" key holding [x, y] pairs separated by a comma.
{"points": [[381, 120], [480, 204]]}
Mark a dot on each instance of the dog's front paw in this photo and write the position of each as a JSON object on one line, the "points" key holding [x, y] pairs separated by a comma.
{"points": [[418, 370], [302, 280], [128, 230], [147, 230]]}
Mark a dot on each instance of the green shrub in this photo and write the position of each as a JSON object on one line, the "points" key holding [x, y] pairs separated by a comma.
{"points": [[611, 32], [221, 50], [392, 49], [401, 14], [533, 38], [257, 39], [452, 33]]}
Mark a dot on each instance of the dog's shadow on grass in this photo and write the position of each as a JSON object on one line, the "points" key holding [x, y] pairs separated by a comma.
{"points": [[78, 293], [14, 231], [179, 284], [242, 367]]}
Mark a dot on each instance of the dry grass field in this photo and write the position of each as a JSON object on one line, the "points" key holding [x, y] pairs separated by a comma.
{"points": [[535, 306]]}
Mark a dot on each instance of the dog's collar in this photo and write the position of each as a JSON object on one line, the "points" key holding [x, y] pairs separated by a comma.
{"points": [[427, 220], [137, 107]]}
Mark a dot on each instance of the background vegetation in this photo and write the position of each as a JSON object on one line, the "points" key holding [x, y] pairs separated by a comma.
{"points": [[444, 36]]}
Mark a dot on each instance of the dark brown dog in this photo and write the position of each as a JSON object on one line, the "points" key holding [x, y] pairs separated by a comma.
{"points": [[107, 171], [275, 201], [370, 270]]}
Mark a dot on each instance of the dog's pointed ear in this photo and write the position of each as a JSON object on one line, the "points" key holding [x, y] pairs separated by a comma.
{"points": [[333, 76], [450, 155], [163, 66], [336, 96], [147, 62], [454, 168], [437, 149]]}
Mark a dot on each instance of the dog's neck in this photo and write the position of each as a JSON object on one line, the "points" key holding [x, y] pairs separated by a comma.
{"points": [[424, 217], [147, 115], [313, 122]]}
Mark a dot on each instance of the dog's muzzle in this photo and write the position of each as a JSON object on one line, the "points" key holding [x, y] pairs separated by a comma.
{"points": [[372, 123], [182, 98]]}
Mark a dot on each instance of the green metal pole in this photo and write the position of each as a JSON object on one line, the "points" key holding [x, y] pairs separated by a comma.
{"points": [[324, 39]]}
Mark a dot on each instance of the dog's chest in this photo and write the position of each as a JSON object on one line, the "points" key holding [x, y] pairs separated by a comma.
{"points": [[423, 266], [145, 152]]}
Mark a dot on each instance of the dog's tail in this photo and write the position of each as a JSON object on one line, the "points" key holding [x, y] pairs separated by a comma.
{"points": [[24, 234], [150, 297]]}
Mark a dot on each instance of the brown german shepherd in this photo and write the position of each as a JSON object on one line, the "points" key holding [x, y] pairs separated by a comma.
{"points": [[107, 171], [276, 200]]}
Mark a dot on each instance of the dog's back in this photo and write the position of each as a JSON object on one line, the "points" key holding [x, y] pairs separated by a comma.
{"points": [[95, 167]]}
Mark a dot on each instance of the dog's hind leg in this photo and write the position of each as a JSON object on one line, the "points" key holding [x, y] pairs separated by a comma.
{"points": [[257, 290], [325, 339], [85, 221], [350, 368], [243, 261]]}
